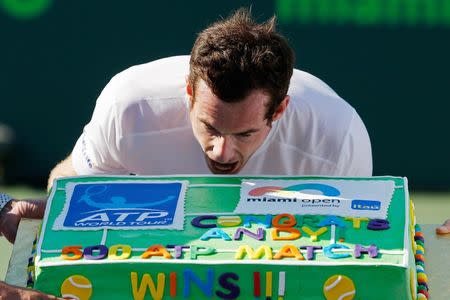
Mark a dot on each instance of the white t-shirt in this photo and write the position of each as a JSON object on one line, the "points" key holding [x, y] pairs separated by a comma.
{"points": [[141, 126]]}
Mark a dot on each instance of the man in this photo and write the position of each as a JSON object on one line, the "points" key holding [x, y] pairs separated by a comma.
{"points": [[236, 105], [226, 109]]}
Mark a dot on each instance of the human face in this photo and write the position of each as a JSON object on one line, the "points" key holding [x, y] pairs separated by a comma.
{"points": [[229, 133]]}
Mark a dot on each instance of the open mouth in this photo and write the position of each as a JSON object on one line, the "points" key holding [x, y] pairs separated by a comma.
{"points": [[219, 168]]}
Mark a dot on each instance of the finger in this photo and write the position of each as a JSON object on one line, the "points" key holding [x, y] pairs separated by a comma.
{"points": [[11, 236], [444, 228]]}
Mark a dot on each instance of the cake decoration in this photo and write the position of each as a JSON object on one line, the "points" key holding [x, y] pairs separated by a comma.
{"points": [[213, 256], [268, 284], [206, 287], [177, 250], [197, 221], [378, 224], [314, 234], [293, 234], [124, 249], [310, 251], [256, 284], [419, 238], [215, 233], [289, 251], [71, 253], [372, 251], [102, 250], [422, 279], [229, 221], [225, 282], [284, 221], [420, 242], [356, 221], [156, 250], [281, 284], [420, 248], [421, 296], [328, 251], [262, 251], [173, 284], [76, 287], [147, 282], [131, 205], [339, 287], [248, 220], [198, 250], [419, 257], [345, 198], [259, 235], [331, 220], [333, 234]]}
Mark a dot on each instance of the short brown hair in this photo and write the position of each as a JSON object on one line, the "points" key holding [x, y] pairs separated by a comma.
{"points": [[237, 55]]}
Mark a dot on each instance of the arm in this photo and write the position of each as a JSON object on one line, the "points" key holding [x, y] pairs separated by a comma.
{"points": [[63, 169], [14, 292]]}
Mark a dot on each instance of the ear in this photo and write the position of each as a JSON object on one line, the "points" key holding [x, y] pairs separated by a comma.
{"points": [[189, 92], [281, 108]]}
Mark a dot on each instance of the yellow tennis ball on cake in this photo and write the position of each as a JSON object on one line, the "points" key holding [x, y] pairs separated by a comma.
{"points": [[77, 287], [339, 287]]}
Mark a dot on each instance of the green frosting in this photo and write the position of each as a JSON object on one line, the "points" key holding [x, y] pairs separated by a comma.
{"points": [[386, 275]]}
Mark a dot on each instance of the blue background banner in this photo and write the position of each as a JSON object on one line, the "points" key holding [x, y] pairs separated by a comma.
{"points": [[122, 205]]}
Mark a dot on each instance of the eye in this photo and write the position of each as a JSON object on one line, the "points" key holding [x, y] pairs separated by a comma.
{"points": [[244, 135], [210, 129]]}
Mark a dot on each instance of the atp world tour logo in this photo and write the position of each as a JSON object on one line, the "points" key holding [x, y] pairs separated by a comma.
{"points": [[122, 205]]}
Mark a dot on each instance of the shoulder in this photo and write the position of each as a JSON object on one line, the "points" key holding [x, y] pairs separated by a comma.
{"points": [[304, 82], [313, 102], [317, 122], [164, 67], [307, 89], [163, 78], [143, 96]]}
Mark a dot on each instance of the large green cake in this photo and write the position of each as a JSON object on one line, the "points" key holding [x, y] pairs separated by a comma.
{"points": [[227, 237]]}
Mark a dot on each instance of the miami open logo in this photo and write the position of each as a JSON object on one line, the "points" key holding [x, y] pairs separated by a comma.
{"points": [[294, 193], [123, 205], [342, 197], [296, 189]]}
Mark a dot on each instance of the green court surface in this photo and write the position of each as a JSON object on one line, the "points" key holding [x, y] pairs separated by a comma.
{"points": [[431, 208]]}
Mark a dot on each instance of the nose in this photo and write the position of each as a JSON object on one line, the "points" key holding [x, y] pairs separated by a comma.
{"points": [[223, 149]]}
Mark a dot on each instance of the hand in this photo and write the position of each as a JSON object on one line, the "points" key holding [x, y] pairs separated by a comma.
{"points": [[14, 211], [13, 292], [444, 228]]}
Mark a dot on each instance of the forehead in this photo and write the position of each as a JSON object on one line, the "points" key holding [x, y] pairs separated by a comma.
{"points": [[248, 111]]}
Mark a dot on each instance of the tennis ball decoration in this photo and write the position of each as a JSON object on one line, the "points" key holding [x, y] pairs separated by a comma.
{"points": [[77, 287], [339, 287]]}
